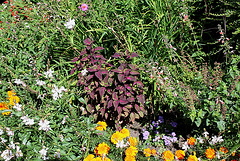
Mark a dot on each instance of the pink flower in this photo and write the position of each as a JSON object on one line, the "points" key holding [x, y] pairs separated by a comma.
{"points": [[84, 7]]}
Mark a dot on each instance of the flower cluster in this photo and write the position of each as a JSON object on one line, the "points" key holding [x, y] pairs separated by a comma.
{"points": [[102, 126]]}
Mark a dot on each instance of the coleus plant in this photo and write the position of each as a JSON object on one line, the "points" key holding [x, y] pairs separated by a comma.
{"points": [[112, 90]]}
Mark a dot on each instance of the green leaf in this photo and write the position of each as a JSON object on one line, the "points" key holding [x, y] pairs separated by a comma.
{"points": [[221, 125], [198, 121]]}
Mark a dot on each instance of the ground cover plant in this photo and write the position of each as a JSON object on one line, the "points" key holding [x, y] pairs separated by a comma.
{"points": [[119, 80]]}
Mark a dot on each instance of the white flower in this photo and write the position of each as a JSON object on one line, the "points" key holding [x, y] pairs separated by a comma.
{"points": [[3, 140], [17, 107], [120, 144], [49, 73], [43, 153], [57, 93], [57, 154], [205, 134], [44, 125], [12, 145], [18, 81], [185, 146], [9, 132], [40, 83], [70, 24], [27, 120], [84, 72], [216, 139], [1, 131], [200, 140], [64, 120], [18, 152], [7, 155]]}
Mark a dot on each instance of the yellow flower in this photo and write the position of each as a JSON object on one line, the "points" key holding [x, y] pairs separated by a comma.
{"points": [[210, 153], [12, 98], [191, 141], [133, 141], [102, 149], [106, 159], [97, 159], [147, 152], [224, 150], [129, 158], [180, 154], [125, 133], [131, 151], [89, 157], [11, 93], [154, 152], [102, 126], [4, 106], [192, 158], [168, 155], [117, 136]]}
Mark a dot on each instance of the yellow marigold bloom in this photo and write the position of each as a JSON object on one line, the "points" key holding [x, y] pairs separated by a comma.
{"points": [[180, 154], [129, 158], [13, 100], [133, 141], [102, 149], [131, 151], [210, 153], [11, 93], [168, 155], [117, 136], [106, 159], [125, 133], [4, 106], [89, 157], [224, 150], [154, 152], [191, 141], [147, 152], [192, 158], [97, 159], [102, 126]]}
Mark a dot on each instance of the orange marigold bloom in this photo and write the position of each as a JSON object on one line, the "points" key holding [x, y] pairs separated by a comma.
{"points": [[89, 157], [102, 149], [224, 150], [154, 152], [12, 98], [102, 125], [180, 154], [125, 133], [131, 151], [133, 141], [210, 153], [168, 155], [191, 141], [129, 158], [4, 106], [192, 158], [117, 136], [147, 152]]}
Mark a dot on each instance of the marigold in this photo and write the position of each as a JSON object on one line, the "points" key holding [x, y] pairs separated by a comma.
{"points": [[89, 157], [192, 158], [147, 152], [12, 98], [180, 154], [210, 153], [102, 149], [191, 141], [102, 125], [125, 133], [129, 158], [131, 151], [168, 155], [117, 136], [4, 106], [224, 150], [133, 141], [154, 152]]}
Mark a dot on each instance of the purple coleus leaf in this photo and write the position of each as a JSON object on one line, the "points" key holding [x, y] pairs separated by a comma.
{"points": [[83, 52], [110, 103], [98, 48], [134, 72], [141, 99], [99, 75], [89, 77], [115, 104], [120, 77], [92, 95], [131, 78], [123, 101], [137, 107], [134, 55], [84, 59], [138, 83], [117, 71], [114, 96], [72, 71], [102, 111], [75, 59], [101, 91], [92, 69], [133, 67], [131, 99], [117, 55], [88, 41], [119, 110], [127, 71]]}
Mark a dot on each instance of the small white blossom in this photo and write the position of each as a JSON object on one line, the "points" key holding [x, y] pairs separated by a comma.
{"points": [[70, 24], [216, 140], [185, 146], [12, 145], [18, 107], [49, 73], [3, 140], [120, 144], [57, 93], [1, 131], [57, 154], [84, 72], [27, 120], [205, 134], [44, 125], [7, 155], [18, 81], [43, 153], [200, 140], [40, 83], [18, 152], [9, 132]]}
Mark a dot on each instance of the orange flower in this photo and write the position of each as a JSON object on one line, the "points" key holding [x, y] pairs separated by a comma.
{"points": [[103, 126], [210, 153], [147, 152], [131, 151], [89, 157], [102, 149], [191, 141], [154, 152], [180, 154], [168, 156], [133, 141], [192, 158], [129, 158], [224, 150], [4, 106], [125, 133]]}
